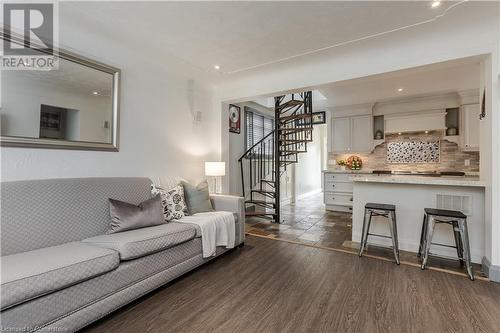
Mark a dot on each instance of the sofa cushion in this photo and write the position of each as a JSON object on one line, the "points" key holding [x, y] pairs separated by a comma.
{"points": [[141, 242], [35, 273]]}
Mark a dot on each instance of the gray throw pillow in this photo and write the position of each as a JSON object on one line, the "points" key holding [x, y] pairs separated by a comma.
{"points": [[197, 198], [126, 216]]}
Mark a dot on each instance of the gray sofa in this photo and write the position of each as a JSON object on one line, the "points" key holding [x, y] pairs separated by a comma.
{"points": [[58, 270]]}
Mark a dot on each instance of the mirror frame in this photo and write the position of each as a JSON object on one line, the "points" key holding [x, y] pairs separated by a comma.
{"points": [[26, 142]]}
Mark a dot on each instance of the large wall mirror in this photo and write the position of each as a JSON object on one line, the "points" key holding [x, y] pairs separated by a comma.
{"points": [[75, 106]]}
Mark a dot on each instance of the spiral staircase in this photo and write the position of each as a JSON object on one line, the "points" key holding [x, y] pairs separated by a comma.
{"points": [[263, 164]]}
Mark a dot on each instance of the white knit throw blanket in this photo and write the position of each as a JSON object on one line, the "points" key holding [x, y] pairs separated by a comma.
{"points": [[217, 229]]}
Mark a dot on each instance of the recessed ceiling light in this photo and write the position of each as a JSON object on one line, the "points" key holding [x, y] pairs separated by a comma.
{"points": [[426, 132], [217, 67], [435, 4], [95, 93], [400, 133], [400, 89]]}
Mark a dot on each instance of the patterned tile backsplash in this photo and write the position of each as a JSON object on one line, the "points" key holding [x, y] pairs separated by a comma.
{"points": [[413, 152], [449, 155]]}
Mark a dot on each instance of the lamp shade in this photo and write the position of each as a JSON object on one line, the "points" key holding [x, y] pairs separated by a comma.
{"points": [[215, 169]]}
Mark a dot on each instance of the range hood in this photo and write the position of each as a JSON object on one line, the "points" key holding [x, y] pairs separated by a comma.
{"points": [[432, 120]]}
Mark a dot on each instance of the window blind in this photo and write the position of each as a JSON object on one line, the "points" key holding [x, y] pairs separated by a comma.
{"points": [[256, 127]]}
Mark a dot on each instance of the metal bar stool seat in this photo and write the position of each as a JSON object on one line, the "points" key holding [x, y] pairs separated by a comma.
{"points": [[385, 210], [458, 221]]}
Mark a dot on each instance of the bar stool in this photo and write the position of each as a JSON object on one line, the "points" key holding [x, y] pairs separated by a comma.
{"points": [[388, 211], [458, 222]]}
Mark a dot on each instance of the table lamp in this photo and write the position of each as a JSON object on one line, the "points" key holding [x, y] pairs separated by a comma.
{"points": [[215, 170]]}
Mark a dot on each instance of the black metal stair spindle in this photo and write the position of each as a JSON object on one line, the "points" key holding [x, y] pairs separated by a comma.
{"points": [[277, 185]]}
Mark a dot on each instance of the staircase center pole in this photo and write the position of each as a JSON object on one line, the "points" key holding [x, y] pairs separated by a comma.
{"points": [[277, 159]]}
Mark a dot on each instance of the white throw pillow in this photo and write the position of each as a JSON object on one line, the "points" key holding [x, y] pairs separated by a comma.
{"points": [[172, 200]]}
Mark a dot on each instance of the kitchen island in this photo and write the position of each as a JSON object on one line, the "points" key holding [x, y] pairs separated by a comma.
{"points": [[411, 194]]}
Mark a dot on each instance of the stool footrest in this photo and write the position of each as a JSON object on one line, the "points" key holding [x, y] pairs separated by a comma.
{"points": [[441, 256], [378, 235], [446, 222], [445, 245]]}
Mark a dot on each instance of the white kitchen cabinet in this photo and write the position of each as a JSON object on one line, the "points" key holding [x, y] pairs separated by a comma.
{"points": [[470, 127], [361, 134], [352, 134], [341, 139], [337, 191]]}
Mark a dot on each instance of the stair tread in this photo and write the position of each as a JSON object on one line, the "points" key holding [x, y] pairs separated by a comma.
{"points": [[295, 129], [290, 103], [291, 141], [263, 191], [260, 202], [296, 116], [259, 213]]}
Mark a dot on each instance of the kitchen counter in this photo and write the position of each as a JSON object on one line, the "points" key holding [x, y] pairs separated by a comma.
{"points": [[411, 195], [367, 171], [419, 180]]}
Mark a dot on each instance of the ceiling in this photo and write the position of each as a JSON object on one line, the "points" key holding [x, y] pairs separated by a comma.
{"points": [[244, 35], [446, 77], [69, 76]]}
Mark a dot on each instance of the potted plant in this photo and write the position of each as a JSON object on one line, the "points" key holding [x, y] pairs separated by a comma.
{"points": [[341, 164]]}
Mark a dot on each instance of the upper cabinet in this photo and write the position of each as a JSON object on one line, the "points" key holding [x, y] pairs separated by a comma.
{"points": [[361, 134], [469, 127], [341, 139], [352, 134], [360, 128]]}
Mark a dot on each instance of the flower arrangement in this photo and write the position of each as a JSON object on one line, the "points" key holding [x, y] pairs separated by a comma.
{"points": [[354, 162]]}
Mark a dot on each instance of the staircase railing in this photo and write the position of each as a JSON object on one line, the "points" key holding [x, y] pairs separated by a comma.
{"points": [[260, 167]]}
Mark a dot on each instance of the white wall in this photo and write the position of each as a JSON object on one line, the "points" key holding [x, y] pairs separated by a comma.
{"points": [[470, 29], [308, 170], [158, 136]]}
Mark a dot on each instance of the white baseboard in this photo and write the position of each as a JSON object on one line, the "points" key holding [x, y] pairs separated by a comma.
{"points": [[288, 201], [492, 271], [310, 193]]}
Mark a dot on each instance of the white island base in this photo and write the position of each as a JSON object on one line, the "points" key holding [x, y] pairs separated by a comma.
{"points": [[410, 200]]}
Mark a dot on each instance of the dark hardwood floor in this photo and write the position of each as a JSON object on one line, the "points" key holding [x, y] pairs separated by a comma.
{"points": [[307, 222], [275, 286]]}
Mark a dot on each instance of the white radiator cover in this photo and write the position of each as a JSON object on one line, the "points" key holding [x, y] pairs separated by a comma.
{"points": [[431, 120]]}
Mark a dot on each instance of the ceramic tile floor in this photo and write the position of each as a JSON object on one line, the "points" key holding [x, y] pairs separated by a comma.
{"points": [[308, 222]]}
